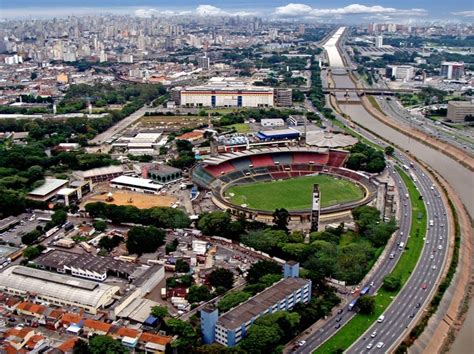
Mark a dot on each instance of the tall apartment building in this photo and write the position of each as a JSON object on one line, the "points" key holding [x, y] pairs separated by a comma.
{"points": [[203, 62], [378, 41], [283, 97], [230, 328], [458, 110], [452, 70]]}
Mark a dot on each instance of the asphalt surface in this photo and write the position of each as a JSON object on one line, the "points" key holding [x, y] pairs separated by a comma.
{"points": [[449, 135], [411, 300]]}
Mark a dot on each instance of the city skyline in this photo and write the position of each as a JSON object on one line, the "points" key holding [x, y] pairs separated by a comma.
{"points": [[340, 10]]}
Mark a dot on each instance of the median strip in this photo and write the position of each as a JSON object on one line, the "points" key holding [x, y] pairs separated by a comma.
{"points": [[356, 327]]}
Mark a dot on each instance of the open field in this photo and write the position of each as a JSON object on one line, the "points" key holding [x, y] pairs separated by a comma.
{"points": [[139, 200], [241, 127], [295, 193], [348, 334]]}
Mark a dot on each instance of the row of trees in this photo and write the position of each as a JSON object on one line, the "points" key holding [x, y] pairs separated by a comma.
{"points": [[158, 217]]}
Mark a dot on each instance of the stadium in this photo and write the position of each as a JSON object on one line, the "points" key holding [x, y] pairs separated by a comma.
{"points": [[256, 182]]}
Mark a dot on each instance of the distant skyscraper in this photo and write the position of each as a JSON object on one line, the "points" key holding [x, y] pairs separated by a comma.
{"points": [[203, 62], [379, 41]]}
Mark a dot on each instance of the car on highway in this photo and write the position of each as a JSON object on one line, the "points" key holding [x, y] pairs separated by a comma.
{"points": [[374, 334], [301, 343], [440, 247], [418, 305], [381, 319], [337, 326], [424, 286], [392, 255], [432, 256], [369, 346], [433, 267], [380, 345], [338, 319], [412, 315]]}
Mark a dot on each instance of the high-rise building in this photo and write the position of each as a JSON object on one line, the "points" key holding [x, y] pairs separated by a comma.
{"points": [[283, 97], [203, 62], [452, 70], [403, 72], [379, 41]]}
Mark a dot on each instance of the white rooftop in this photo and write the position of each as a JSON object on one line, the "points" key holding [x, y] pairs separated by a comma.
{"points": [[136, 182], [49, 185]]}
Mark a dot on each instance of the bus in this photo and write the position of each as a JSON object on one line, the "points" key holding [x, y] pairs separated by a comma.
{"points": [[352, 304], [365, 291]]}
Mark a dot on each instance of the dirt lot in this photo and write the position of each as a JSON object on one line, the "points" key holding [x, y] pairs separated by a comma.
{"points": [[171, 123], [138, 200]]}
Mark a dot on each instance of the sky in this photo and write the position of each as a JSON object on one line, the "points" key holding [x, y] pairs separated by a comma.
{"points": [[342, 10]]}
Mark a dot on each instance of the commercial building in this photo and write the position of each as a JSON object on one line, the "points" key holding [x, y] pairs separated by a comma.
{"points": [[47, 190], [458, 110], [452, 70], [280, 134], [402, 72], [226, 92], [283, 97], [136, 184], [84, 265], [272, 122], [232, 326], [58, 289]]}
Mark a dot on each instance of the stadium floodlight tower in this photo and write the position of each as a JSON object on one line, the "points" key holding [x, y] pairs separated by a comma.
{"points": [[316, 208]]}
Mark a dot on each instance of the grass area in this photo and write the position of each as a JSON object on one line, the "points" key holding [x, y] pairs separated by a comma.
{"points": [[375, 104], [295, 193], [241, 127], [348, 334]]}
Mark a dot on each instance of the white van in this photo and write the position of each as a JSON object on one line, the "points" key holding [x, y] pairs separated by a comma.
{"points": [[402, 244]]}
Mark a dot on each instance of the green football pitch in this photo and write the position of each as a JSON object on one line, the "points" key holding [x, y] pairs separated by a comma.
{"points": [[295, 193]]}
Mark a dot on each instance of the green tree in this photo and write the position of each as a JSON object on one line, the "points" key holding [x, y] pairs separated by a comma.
{"points": [[262, 268], [198, 293], [265, 240], [281, 218], [100, 225], [366, 304], [31, 237], [181, 266], [159, 311], [31, 252], [221, 277], [389, 150], [392, 282], [144, 239], [214, 224], [81, 347], [105, 345], [59, 217]]}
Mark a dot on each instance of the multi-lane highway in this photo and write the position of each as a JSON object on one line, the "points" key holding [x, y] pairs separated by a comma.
{"points": [[412, 298]]}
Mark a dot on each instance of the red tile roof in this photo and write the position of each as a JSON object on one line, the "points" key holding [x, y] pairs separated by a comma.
{"points": [[69, 318], [127, 332], [154, 338], [68, 344], [97, 325]]}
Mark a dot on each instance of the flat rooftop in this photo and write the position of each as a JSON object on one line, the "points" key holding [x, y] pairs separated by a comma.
{"points": [[136, 182], [55, 278], [260, 302]]}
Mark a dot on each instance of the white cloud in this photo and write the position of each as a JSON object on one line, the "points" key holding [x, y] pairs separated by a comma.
{"points": [[293, 10], [209, 10], [302, 10], [464, 13], [200, 10]]}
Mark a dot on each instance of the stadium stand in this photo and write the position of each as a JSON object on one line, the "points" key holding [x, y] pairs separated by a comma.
{"points": [[283, 158], [261, 160], [310, 158], [223, 168], [337, 158], [241, 163]]}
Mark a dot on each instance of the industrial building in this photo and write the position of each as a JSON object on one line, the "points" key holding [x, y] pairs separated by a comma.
{"points": [[136, 184], [57, 289], [459, 110], [296, 120], [226, 92], [85, 265], [233, 325], [452, 70], [162, 174]]}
